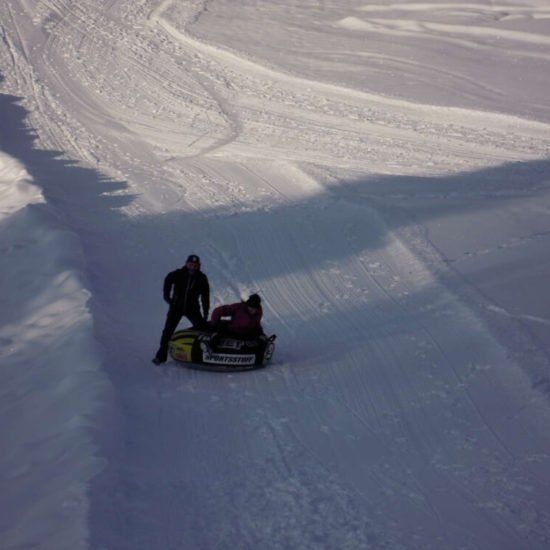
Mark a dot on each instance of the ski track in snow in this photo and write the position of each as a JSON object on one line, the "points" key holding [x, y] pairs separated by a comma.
{"points": [[392, 417]]}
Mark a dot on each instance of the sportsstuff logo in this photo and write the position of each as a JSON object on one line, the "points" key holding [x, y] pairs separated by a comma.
{"points": [[227, 359]]}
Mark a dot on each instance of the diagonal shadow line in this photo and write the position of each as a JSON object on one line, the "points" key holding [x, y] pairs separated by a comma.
{"points": [[55, 175], [82, 199], [66, 187], [415, 199]]}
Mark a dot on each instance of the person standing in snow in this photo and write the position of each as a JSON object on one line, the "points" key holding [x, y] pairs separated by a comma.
{"points": [[182, 290]]}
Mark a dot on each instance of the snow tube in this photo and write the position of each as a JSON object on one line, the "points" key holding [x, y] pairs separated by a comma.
{"points": [[191, 347]]}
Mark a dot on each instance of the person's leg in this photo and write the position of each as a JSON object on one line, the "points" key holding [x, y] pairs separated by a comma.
{"points": [[172, 320], [197, 320]]}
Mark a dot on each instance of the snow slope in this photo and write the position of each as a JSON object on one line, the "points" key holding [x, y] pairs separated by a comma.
{"points": [[378, 172]]}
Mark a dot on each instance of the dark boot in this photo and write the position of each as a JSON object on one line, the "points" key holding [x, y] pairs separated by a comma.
{"points": [[160, 357]]}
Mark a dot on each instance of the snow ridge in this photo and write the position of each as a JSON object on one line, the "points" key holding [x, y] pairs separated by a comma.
{"points": [[51, 377]]}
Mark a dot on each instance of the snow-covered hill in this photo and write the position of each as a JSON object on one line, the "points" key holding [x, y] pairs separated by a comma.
{"points": [[379, 173]]}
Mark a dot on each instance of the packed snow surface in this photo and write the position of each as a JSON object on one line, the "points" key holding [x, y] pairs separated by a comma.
{"points": [[378, 172]]}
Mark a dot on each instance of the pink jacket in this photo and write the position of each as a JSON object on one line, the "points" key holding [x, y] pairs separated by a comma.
{"points": [[242, 321]]}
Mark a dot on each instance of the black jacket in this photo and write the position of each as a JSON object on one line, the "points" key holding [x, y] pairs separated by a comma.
{"points": [[182, 291]]}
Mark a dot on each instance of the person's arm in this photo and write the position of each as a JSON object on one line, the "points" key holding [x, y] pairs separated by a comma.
{"points": [[259, 328], [205, 298], [167, 287]]}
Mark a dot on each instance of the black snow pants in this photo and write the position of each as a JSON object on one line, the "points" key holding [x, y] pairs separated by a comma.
{"points": [[173, 318]]}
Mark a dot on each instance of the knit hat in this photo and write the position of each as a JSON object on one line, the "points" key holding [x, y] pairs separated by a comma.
{"points": [[193, 258], [254, 301]]}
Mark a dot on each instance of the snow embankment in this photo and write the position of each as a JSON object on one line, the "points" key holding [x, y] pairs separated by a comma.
{"points": [[49, 373]]}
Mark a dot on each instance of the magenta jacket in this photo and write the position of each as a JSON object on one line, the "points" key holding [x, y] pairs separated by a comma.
{"points": [[242, 322]]}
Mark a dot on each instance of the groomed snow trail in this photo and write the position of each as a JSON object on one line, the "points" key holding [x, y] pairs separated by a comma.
{"points": [[393, 416]]}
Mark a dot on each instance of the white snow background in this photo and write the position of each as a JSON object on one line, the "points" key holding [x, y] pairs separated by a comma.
{"points": [[378, 172]]}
